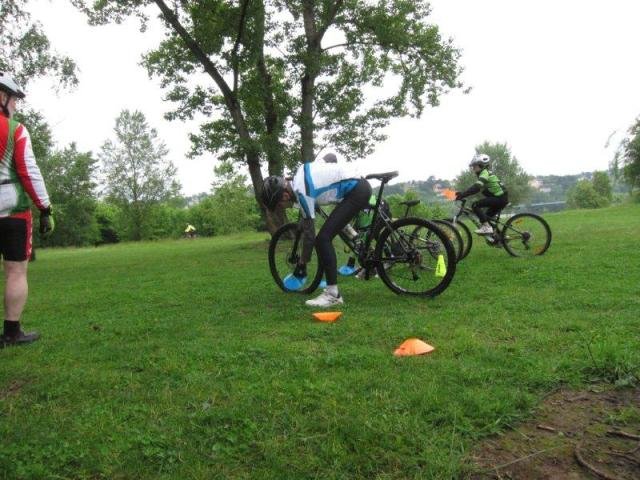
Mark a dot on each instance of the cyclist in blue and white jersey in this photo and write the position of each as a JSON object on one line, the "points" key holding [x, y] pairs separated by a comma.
{"points": [[320, 183]]}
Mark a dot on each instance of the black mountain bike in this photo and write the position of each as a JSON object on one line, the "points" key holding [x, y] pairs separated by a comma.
{"points": [[411, 255], [522, 235]]}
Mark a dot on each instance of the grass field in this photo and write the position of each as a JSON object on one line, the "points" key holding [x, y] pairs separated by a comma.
{"points": [[181, 359]]}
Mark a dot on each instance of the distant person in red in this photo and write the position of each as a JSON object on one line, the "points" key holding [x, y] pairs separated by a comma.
{"points": [[20, 184]]}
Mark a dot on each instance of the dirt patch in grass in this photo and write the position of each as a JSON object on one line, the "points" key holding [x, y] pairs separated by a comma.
{"points": [[575, 435], [13, 388]]}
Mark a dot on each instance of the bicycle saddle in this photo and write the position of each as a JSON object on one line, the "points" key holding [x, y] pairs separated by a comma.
{"points": [[383, 177], [410, 203]]}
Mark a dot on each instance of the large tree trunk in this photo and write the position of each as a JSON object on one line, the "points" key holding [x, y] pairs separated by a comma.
{"points": [[306, 120]]}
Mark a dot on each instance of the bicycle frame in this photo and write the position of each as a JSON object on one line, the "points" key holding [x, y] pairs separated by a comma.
{"points": [[361, 251]]}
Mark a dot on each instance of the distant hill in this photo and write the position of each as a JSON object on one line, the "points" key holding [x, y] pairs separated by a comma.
{"points": [[546, 188]]}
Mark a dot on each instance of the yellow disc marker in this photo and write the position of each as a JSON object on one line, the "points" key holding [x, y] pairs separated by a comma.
{"points": [[441, 268]]}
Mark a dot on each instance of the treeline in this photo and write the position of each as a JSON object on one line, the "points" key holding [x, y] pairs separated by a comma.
{"points": [[129, 191]]}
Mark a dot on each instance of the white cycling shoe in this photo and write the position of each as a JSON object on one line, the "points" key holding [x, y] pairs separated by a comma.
{"points": [[325, 300], [485, 229]]}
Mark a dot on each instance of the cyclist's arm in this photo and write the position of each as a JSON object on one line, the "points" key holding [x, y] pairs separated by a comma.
{"points": [[308, 238], [308, 224], [28, 170], [477, 187]]}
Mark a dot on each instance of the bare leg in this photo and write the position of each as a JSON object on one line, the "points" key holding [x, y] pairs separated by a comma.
{"points": [[15, 289]]}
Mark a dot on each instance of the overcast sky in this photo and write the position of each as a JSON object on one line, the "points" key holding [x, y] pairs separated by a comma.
{"points": [[552, 78]]}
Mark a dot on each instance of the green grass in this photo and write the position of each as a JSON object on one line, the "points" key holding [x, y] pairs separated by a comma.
{"points": [[181, 359]]}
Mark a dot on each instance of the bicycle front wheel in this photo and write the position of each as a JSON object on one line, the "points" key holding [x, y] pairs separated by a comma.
{"points": [[285, 251], [414, 257], [526, 235]]}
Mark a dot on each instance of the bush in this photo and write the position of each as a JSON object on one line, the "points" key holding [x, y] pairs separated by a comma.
{"points": [[584, 195], [165, 221], [422, 210], [107, 216]]}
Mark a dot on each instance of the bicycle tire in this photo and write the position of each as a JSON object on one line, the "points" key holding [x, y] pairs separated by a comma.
{"points": [[450, 227], [467, 237], [293, 229], [383, 271], [541, 250]]}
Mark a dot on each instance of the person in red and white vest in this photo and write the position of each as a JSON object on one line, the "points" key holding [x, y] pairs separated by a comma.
{"points": [[20, 184]]}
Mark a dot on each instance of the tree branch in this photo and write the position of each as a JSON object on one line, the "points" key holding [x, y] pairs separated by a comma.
{"points": [[195, 48], [331, 16], [243, 16], [349, 44], [229, 96]]}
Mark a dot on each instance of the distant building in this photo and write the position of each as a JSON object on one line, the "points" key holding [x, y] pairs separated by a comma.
{"points": [[536, 184]]}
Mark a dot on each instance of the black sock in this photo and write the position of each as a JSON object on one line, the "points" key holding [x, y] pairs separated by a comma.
{"points": [[11, 329]]}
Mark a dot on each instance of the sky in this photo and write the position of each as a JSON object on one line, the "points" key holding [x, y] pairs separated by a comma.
{"points": [[554, 79]]}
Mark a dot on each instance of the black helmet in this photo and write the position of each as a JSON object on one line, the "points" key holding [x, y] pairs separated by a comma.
{"points": [[272, 190]]}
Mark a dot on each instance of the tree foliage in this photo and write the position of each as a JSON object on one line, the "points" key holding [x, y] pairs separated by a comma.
{"points": [[70, 179], [506, 166], [136, 172], [25, 50], [229, 209], [39, 132], [602, 185], [628, 155], [284, 78], [584, 195]]}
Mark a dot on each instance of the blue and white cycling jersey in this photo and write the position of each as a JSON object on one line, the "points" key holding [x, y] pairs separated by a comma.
{"points": [[321, 183]]}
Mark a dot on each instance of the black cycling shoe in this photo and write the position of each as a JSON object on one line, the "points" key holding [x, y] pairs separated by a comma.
{"points": [[20, 339]]}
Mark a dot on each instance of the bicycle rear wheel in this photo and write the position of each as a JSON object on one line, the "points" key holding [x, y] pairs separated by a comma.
{"points": [[467, 237], [285, 250], [526, 235], [415, 258]]}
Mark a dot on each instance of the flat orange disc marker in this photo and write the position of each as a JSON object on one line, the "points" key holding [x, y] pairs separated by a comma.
{"points": [[413, 346], [327, 316]]}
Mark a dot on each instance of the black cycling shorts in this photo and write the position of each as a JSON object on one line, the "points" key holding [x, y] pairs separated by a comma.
{"points": [[15, 238]]}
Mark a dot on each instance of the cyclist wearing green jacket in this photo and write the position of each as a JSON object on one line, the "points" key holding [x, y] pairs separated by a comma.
{"points": [[20, 184], [495, 195]]}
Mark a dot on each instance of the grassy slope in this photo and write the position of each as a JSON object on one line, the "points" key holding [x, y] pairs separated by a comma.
{"points": [[182, 360]]}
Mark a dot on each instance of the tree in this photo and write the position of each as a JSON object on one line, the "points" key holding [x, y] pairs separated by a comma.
{"points": [[136, 171], [584, 195], [602, 185], [70, 181], [284, 78], [229, 209], [629, 154], [506, 166], [25, 50], [39, 132]]}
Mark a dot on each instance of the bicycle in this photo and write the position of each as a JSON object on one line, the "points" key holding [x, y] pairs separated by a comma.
{"points": [[409, 263], [522, 235]]}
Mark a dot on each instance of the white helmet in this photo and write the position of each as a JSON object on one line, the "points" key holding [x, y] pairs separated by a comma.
{"points": [[480, 159], [10, 86]]}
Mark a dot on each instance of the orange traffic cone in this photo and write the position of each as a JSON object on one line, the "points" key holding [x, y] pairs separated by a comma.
{"points": [[327, 316], [413, 346]]}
